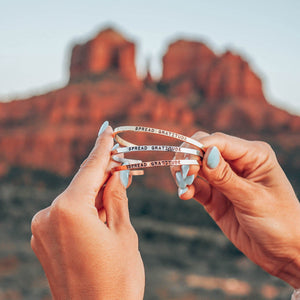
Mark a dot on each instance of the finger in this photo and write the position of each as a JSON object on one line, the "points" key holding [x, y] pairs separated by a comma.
{"points": [[38, 221], [193, 169], [219, 174], [184, 175], [231, 147], [115, 202], [94, 172], [112, 164], [202, 190], [102, 214]]}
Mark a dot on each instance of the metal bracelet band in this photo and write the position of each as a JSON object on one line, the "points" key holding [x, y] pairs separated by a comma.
{"points": [[151, 130], [157, 163], [123, 160], [137, 172], [161, 148]]}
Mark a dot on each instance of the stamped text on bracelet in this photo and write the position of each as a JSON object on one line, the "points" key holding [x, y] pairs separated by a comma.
{"points": [[165, 148], [157, 163], [151, 130]]}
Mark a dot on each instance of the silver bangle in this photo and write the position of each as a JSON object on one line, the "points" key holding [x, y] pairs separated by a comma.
{"points": [[157, 163], [151, 130], [163, 148]]}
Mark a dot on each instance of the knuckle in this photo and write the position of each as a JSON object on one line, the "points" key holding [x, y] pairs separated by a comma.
{"points": [[60, 209], [218, 134], [131, 235], [91, 161], [118, 195], [265, 153], [224, 175], [263, 146], [37, 222], [33, 244], [264, 149], [199, 134]]}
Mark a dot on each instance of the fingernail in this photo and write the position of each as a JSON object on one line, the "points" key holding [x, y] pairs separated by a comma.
{"points": [[189, 180], [124, 177], [213, 158], [103, 127], [115, 147], [179, 180], [182, 191], [185, 169]]}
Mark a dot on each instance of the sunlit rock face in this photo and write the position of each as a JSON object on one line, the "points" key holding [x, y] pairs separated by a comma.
{"points": [[108, 51], [198, 90]]}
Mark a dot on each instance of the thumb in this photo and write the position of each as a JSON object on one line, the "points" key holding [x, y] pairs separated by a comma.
{"points": [[115, 202], [220, 175]]}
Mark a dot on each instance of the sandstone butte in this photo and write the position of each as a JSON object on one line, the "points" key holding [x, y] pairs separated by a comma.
{"points": [[199, 89]]}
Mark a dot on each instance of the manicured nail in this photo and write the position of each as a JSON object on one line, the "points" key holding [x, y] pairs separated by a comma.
{"points": [[189, 180], [213, 158], [179, 180], [103, 127], [182, 191], [115, 147], [124, 176], [185, 169]]}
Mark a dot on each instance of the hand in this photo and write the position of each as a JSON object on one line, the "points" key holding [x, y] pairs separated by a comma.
{"points": [[85, 241], [245, 191]]}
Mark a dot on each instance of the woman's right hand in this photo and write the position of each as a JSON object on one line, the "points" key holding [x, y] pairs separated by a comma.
{"points": [[243, 188]]}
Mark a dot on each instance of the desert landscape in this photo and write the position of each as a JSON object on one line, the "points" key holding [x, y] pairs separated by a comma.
{"points": [[44, 138]]}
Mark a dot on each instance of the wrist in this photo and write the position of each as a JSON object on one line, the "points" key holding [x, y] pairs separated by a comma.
{"points": [[291, 274], [290, 271]]}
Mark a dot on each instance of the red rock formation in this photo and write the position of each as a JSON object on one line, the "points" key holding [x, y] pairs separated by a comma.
{"points": [[108, 51], [190, 66], [199, 90]]}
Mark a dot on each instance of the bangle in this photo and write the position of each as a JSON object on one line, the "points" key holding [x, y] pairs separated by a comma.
{"points": [[129, 161], [157, 163], [133, 165], [151, 130], [158, 148], [296, 295]]}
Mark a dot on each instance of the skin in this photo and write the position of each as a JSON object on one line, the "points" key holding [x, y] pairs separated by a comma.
{"points": [[85, 241], [252, 201], [89, 249]]}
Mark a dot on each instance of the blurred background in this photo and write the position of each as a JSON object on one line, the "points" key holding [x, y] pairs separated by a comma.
{"points": [[66, 67]]}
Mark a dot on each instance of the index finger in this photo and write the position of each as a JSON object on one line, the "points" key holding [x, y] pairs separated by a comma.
{"points": [[94, 172], [230, 147]]}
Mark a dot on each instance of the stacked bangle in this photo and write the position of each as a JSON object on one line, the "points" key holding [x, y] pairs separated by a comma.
{"points": [[137, 164]]}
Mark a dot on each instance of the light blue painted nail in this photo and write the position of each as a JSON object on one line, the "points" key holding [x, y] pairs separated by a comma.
{"points": [[179, 180], [182, 191], [213, 158], [103, 127], [185, 169], [124, 177], [189, 180], [115, 147]]}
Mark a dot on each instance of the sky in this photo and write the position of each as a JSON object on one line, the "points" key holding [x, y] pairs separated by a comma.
{"points": [[36, 38]]}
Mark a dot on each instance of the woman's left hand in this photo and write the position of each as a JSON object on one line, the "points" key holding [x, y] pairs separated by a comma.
{"points": [[85, 240]]}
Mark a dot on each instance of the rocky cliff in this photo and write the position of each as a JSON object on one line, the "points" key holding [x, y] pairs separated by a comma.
{"points": [[198, 90], [108, 51]]}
